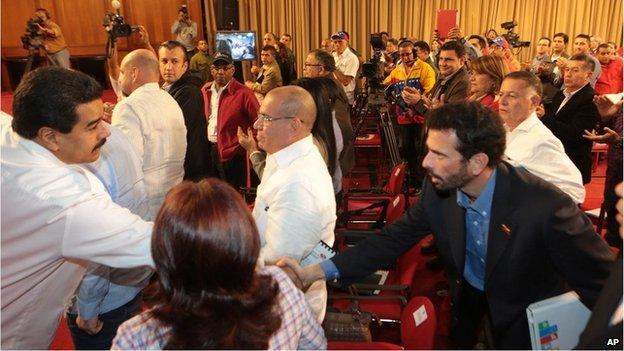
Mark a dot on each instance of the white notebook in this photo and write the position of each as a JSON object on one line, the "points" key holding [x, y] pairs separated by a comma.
{"points": [[319, 253], [556, 323]]}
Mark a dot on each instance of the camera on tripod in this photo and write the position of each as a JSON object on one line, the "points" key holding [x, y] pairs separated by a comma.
{"points": [[513, 38], [31, 38], [372, 69], [116, 27]]}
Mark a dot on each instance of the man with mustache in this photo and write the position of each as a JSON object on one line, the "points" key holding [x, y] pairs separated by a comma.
{"points": [[154, 123], [506, 237], [56, 215]]}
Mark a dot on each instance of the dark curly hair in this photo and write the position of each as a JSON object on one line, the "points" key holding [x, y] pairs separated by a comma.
{"points": [[478, 129], [205, 246]]}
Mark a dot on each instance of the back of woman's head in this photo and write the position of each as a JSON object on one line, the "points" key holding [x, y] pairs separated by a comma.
{"points": [[205, 246], [323, 128], [334, 92]]}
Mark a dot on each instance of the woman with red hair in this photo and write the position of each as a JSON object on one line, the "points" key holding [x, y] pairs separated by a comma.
{"points": [[210, 294]]}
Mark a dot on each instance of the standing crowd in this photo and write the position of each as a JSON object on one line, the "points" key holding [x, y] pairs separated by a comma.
{"points": [[100, 199]]}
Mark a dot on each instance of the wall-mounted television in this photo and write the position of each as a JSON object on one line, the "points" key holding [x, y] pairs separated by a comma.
{"points": [[240, 45]]}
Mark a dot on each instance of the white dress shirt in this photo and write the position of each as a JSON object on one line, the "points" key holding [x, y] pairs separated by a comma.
{"points": [[295, 208], [568, 96], [533, 146], [103, 288], [214, 111], [154, 123], [55, 216], [348, 64]]}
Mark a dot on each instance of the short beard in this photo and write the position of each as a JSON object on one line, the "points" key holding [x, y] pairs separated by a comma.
{"points": [[454, 181]]}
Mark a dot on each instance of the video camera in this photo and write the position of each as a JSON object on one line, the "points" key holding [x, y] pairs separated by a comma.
{"points": [[372, 69], [115, 26], [513, 38], [31, 38]]}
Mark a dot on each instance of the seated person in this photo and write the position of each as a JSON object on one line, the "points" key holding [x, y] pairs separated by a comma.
{"points": [[210, 295]]}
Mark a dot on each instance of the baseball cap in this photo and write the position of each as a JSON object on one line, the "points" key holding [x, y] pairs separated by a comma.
{"points": [[222, 57], [340, 35]]}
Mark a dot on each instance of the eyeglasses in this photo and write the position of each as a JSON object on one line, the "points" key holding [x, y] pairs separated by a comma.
{"points": [[312, 65], [264, 118]]}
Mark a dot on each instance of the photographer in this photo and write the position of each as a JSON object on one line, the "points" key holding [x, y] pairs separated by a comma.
{"points": [[53, 39], [185, 31]]}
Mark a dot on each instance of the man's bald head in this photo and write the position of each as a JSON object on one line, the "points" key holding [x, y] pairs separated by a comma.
{"points": [[146, 61], [138, 68], [297, 102], [286, 116]]}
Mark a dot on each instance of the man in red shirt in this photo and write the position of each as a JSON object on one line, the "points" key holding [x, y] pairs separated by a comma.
{"points": [[228, 105], [610, 79]]}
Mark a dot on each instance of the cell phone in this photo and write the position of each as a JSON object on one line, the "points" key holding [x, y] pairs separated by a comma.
{"points": [[446, 20]]}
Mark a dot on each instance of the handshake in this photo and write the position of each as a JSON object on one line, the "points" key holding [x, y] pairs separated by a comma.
{"points": [[302, 277]]}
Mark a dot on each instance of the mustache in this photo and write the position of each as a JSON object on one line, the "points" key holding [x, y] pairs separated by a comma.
{"points": [[99, 145]]}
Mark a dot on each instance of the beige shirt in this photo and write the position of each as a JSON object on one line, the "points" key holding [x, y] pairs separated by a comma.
{"points": [[270, 77], [56, 41]]}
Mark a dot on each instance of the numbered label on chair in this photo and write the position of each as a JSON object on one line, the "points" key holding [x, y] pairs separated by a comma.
{"points": [[420, 315]]}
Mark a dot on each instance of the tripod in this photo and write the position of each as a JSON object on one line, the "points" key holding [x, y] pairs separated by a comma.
{"points": [[372, 103], [34, 45]]}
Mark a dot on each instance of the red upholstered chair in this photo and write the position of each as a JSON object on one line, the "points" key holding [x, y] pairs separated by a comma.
{"points": [[388, 304], [346, 238], [370, 205], [418, 324], [598, 150], [360, 345]]}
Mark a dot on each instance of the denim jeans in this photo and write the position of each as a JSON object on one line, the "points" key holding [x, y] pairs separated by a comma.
{"points": [[111, 320]]}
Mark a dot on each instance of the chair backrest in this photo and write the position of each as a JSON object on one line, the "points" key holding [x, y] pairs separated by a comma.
{"points": [[418, 324], [395, 208], [407, 265], [360, 345], [395, 182]]}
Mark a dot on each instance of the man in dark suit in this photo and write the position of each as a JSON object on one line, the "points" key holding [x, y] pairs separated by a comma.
{"points": [[506, 237], [572, 111]]}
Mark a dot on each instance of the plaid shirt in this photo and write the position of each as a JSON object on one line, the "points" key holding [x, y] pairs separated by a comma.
{"points": [[299, 329]]}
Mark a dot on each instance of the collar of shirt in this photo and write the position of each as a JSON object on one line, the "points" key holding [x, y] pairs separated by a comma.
{"points": [[287, 155], [525, 125], [166, 86], [543, 57], [445, 80], [483, 203], [568, 95], [147, 87], [213, 88], [344, 54]]}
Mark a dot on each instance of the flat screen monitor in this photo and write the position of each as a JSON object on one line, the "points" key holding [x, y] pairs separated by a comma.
{"points": [[240, 45]]}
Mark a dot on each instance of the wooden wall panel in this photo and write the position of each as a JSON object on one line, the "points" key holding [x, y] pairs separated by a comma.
{"points": [[81, 22], [15, 13]]}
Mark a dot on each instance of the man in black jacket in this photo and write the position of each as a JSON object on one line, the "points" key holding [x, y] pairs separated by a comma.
{"points": [[506, 237], [184, 86], [572, 111]]}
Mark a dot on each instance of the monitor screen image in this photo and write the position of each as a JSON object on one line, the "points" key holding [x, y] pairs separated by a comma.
{"points": [[240, 45]]}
